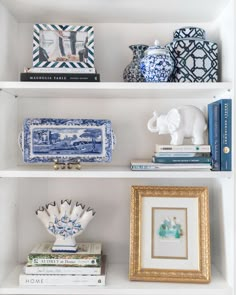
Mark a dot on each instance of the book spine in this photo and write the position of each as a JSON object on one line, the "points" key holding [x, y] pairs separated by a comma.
{"points": [[181, 155], [181, 160], [226, 125], [50, 77], [185, 149], [61, 70], [214, 130], [61, 280], [144, 167], [37, 259], [63, 270]]}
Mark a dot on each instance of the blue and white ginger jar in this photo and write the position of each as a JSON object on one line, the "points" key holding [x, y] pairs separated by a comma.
{"points": [[157, 64], [195, 58]]}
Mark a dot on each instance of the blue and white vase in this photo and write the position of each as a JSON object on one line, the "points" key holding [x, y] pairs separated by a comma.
{"points": [[132, 72], [195, 58], [157, 64]]}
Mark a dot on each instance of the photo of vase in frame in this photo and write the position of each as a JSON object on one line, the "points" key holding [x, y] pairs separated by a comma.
{"points": [[170, 234]]}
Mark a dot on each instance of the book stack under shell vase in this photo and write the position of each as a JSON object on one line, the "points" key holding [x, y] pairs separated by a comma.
{"points": [[85, 267], [195, 58]]}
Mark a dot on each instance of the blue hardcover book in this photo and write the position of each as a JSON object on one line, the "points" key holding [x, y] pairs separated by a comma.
{"points": [[181, 160], [214, 133], [226, 136]]}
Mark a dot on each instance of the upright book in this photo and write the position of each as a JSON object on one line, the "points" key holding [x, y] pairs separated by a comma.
{"points": [[88, 254], [214, 131], [220, 133], [226, 134]]}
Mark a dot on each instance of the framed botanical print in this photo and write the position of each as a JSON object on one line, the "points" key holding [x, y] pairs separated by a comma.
{"points": [[170, 234], [63, 46]]}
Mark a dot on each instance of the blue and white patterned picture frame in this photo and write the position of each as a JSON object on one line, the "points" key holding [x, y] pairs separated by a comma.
{"points": [[45, 140], [58, 46]]}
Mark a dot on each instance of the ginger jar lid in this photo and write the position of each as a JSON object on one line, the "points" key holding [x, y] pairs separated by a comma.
{"points": [[156, 49]]}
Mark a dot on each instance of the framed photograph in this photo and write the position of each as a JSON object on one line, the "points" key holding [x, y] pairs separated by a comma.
{"points": [[170, 234], [57, 46]]}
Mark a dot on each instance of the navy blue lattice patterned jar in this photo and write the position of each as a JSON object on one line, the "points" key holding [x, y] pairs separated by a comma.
{"points": [[196, 59]]}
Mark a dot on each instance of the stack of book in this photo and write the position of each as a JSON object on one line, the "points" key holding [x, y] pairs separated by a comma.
{"points": [[60, 75], [181, 157], [220, 134], [86, 267]]}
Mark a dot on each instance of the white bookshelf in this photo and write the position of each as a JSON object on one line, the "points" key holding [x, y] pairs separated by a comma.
{"points": [[88, 171], [117, 283], [23, 188], [112, 90]]}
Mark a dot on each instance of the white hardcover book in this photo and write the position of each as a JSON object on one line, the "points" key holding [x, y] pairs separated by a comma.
{"points": [[61, 270], [176, 155], [183, 148], [61, 70], [64, 279], [61, 280]]}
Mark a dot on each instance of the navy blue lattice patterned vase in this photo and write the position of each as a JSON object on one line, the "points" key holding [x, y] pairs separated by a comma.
{"points": [[195, 58], [157, 64], [132, 72]]}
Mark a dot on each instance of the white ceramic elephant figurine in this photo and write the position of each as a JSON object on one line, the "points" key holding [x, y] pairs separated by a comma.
{"points": [[182, 122]]}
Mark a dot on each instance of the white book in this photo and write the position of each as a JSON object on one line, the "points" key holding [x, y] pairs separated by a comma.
{"points": [[64, 279], [140, 165], [61, 70], [183, 148], [176, 155], [61, 270]]}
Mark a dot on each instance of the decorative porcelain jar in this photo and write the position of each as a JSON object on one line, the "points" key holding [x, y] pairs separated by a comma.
{"points": [[157, 64], [132, 72], [196, 59]]}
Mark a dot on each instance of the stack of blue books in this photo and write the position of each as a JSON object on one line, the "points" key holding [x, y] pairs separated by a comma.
{"points": [[220, 134], [181, 157]]}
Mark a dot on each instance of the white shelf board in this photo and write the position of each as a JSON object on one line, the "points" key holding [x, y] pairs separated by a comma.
{"points": [[115, 11], [117, 283], [107, 171], [116, 90]]}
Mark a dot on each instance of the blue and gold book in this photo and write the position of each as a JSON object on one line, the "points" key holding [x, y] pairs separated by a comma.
{"points": [[214, 132], [226, 134], [220, 133]]}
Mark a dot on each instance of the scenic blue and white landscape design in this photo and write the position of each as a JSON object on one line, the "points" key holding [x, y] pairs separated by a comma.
{"points": [[67, 141]]}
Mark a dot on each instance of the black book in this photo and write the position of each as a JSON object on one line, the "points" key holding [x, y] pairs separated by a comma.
{"points": [[59, 77]]}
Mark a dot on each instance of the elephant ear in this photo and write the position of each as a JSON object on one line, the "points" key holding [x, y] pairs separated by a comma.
{"points": [[173, 120]]}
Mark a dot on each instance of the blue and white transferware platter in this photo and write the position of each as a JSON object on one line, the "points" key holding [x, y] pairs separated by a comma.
{"points": [[45, 140]]}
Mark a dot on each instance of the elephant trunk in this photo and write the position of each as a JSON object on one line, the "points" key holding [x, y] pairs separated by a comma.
{"points": [[152, 123]]}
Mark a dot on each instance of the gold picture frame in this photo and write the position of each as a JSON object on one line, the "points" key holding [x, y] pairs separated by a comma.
{"points": [[170, 234]]}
